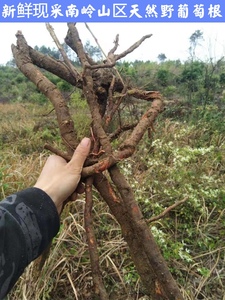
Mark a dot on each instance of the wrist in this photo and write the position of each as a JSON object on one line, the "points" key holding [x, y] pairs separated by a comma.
{"points": [[51, 195]]}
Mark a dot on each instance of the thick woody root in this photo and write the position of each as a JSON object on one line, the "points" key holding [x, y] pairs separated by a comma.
{"points": [[99, 289], [104, 91]]}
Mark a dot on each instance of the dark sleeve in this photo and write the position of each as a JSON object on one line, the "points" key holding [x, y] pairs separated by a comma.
{"points": [[28, 222]]}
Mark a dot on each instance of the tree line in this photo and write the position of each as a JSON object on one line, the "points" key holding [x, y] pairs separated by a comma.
{"points": [[194, 81]]}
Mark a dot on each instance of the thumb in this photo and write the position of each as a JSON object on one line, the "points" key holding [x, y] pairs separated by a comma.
{"points": [[80, 154]]}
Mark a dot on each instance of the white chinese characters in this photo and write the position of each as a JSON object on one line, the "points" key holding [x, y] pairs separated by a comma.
{"points": [[112, 11]]}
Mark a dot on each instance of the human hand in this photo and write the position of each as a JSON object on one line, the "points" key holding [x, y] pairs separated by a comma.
{"points": [[60, 179]]}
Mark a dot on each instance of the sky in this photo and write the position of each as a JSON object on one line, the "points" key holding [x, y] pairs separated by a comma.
{"points": [[172, 39]]}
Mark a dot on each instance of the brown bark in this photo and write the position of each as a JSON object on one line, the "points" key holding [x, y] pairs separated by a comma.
{"points": [[144, 251], [24, 63], [119, 210], [164, 285], [104, 91], [56, 67], [99, 288]]}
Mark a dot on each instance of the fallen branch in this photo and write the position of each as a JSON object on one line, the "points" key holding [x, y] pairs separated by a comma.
{"points": [[167, 210]]}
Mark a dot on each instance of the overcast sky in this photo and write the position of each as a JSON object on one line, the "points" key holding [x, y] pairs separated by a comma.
{"points": [[172, 39]]}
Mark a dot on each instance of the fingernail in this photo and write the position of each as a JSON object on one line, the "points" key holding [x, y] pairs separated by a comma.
{"points": [[85, 142]]}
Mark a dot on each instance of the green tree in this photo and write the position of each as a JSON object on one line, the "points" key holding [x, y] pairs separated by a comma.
{"points": [[192, 77], [162, 57], [163, 77], [48, 51], [195, 39], [93, 51]]}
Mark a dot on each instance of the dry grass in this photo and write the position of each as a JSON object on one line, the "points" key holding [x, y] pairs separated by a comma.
{"points": [[20, 159], [67, 274]]}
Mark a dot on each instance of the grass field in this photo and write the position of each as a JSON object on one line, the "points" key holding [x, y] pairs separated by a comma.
{"points": [[182, 160]]}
